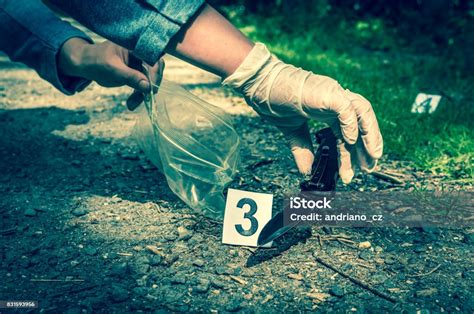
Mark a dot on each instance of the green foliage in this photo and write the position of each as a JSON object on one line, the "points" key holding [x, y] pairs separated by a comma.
{"points": [[389, 66]]}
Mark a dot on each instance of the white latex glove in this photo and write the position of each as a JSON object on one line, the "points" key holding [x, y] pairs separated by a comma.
{"points": [[288, 97]]}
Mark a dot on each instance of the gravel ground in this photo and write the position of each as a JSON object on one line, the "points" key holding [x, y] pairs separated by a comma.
{"points": [[89, 225]]}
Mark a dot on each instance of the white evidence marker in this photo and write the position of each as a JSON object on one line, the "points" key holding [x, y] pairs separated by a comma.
{"points": [[425, 103], [246, 213]]}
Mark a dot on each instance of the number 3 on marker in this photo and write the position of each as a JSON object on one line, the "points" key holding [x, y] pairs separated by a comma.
{"points": [[245, 215], [248, 215]]}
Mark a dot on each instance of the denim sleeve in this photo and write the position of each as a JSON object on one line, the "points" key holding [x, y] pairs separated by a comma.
{"points": [[143, 26], [30, 33]]}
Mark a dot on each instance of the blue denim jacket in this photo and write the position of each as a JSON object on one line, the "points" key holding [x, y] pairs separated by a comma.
{"points": [[30, 33]]}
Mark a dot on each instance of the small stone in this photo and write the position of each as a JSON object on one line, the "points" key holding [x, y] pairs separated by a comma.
{"points": [[419, 249], [155, 260], [178, 279], [142, 281], [380, 278], [318, 296], [74, 263], [201, 288], [198, 262], [196, 239], [207, 254], [337, 291], [403, 260], [346, 267], [170, 259], [391, 206], [364, 245], [30, 212], [129, 155], [24, 262], [430, 230], [228, 269], [366, 255], [220, 270], [378, 249], [233, 306], [53, 261], [35, 260], [236, 271], [468, 238], [141, 265], [96, 302], [79, 212], [91, 251], [73, 310], [218, 283], [204, 281], [170, 236], [426, 292], [172, 296], [141, 291], [184, 234], [118, 293], [76, 163], [390, 260], [147, 167], [119, 270]]}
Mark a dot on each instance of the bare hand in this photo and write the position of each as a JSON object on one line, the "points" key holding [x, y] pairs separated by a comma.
{"points": [[109, 65]]}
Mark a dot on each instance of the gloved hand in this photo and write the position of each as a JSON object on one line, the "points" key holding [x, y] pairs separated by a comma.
{"points": [[288, 97]]}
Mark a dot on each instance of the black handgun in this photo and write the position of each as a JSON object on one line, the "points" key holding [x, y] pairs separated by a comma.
{"points": [[324, 175]]}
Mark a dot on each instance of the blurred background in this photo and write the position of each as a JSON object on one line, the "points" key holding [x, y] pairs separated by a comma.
{"points": [[389, 51]]}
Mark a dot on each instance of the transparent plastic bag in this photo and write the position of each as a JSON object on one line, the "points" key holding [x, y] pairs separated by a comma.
{"points": [[193, 143]]}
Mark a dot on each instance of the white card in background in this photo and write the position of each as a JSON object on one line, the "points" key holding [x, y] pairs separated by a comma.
{"points": [[425, 103], [246, 213]]}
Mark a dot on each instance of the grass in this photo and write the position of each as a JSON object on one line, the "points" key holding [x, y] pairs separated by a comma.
{"points": [[375, 59]]}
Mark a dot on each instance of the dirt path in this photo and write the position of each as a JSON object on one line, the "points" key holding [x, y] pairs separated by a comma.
{"points": [[81, 206]]}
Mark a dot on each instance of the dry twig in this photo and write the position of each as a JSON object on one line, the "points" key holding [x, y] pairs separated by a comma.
{"points": [[356, 281], [428, 273], [124, 254], [386, 177], [57, 280], [8, 231], [364, 265], [238, 280]]}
